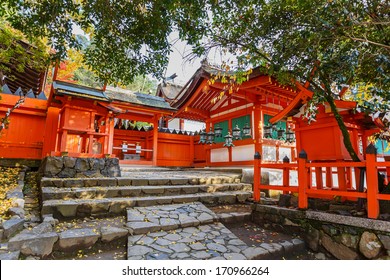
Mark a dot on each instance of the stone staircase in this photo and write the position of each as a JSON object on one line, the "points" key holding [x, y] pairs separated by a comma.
{"points": [[192, 231], [81, 197]]}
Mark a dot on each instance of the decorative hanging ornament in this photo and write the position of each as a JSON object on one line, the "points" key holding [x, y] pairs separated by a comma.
{"points": [[246, 130], [236, 133], [280, 133], [290, 136], [210, 137], [203, 137], [268, 130], [228, 140], [218, 131]]}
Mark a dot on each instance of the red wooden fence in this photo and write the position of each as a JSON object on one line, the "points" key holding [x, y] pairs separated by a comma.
{"points": [[311, 181]]}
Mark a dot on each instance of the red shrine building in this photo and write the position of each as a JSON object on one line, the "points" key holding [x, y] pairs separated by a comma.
{"points": [[80, 121], [260, 115]]}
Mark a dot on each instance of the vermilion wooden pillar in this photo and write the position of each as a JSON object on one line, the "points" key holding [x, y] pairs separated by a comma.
{"points": [[302, 180], [50, 136], [372, 183], [256, 177], [155, 139], [109, 140], [192, 150], [257, 128]]}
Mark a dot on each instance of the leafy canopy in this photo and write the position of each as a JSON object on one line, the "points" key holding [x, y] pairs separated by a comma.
{"points": [[17, 53], [334, 45], [128, 38]]}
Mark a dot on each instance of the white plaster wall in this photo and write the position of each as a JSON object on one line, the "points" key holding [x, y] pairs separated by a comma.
{"points": [[174, 124], [284, 152], [219, 155], [243, 153], [193, 125]]}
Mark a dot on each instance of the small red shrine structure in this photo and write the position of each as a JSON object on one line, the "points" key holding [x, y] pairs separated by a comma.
{"points": [[251, 106], [325, 169]]}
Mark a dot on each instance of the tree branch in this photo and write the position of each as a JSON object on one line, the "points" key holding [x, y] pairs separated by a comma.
{"points": [[368, 41]]}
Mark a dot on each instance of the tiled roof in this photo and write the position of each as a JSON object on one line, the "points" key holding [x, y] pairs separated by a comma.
{"points": [[64, 88], [111, 94], [168, 90], [137, 98]]}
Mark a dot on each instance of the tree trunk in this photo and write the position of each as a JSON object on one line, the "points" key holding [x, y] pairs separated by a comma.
{"points": [[343, 128]]}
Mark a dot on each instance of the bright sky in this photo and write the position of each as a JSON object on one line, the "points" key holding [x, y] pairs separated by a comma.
{"points": [[178, 64]]}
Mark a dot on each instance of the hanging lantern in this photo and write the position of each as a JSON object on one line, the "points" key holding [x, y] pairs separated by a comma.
{"points": [[210, 137], [228, 140], [203, 137], [290, 136], [236, 133], [280, 133], [246, 130], [218, 131], [268, 131]]}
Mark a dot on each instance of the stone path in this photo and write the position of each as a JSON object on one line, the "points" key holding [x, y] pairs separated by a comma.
{"points": [[168, 217], [190, 231], [213, 241]]}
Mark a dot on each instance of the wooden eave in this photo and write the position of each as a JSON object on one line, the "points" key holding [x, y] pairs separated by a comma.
{"points": [[199, 96], [142, 108]]}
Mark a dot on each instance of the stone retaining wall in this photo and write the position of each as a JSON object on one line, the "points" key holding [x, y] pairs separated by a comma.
{"points": [[338, 236], [9, 227], [70, 167]]}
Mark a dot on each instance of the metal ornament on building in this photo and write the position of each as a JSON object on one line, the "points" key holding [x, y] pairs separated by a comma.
{"points": [[268, 131], [290, 136], [236, 133], [203, 137], [217, 131], [246, 130], [210, 137], [228, 140], [280, 133]]}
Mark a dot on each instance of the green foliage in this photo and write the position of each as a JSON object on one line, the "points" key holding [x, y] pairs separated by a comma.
{"points": [[348, 41], [143, 84], [331, 44], [128, 38], [17, 53]]}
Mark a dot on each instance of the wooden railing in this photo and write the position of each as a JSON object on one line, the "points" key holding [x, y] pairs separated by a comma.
{"points": [[355, 180]]}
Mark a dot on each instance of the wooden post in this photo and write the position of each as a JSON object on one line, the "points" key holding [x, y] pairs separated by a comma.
{"points": [[387, 159], [90, 144], [348, 178], [341, 178], [372, 183], [319, 183], [64, 138], [257, 124], [50, 136], [192, 150], [302, 180], [286, 174], [256, 177], [110, 126], [329, 177], [155, 140]]}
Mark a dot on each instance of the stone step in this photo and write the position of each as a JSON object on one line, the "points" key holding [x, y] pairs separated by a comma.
{"points": [[152, 180], [168, 217], [211, 241], [85, 207], [49, 193], [234, 217]]}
